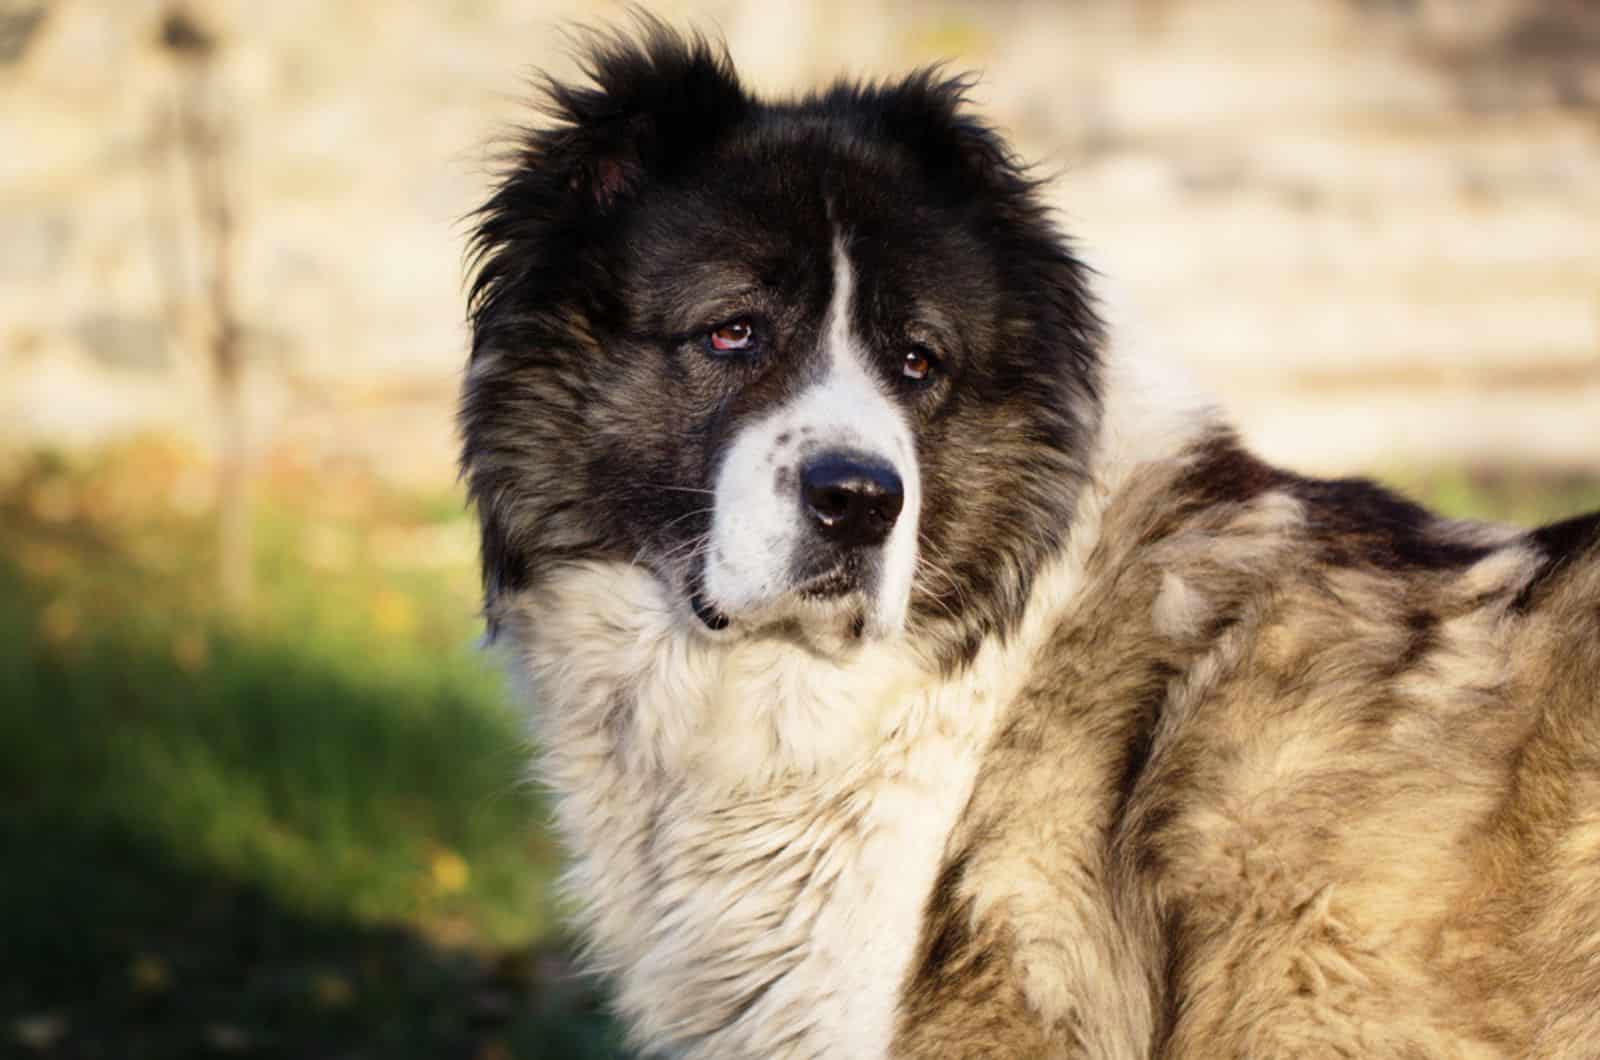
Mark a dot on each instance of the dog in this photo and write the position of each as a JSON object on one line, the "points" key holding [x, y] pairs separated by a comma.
{"points": [[917, 672]]}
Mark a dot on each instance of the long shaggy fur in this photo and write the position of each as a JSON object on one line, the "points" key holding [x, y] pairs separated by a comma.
{"points": [[1177, 754]]}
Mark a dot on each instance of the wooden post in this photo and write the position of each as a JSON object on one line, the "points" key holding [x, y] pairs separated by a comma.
{"points": [[203, 140]]}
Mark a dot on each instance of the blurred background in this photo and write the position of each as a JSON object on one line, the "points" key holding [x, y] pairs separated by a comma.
{"points": [[259, 796]]}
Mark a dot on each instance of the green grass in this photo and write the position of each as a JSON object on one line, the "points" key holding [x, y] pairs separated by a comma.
{"points": [[1521, 496], [301, 831]]}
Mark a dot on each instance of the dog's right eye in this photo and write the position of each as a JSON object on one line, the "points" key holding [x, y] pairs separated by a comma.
{"points": [[736, 336]]}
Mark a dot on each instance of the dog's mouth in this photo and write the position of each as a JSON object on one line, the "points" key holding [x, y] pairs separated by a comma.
{"points": [[833, 586], [839, 580], [709, 616]]}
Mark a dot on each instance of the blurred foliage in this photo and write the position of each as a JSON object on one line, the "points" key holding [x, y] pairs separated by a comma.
{"points": [[301, 832], [1526, 497]]}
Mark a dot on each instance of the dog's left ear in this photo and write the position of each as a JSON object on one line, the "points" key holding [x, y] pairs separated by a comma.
{"points": [[650, 103]]}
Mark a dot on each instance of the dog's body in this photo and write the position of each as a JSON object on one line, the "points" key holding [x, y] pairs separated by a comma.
{"points": [[914, 678]]}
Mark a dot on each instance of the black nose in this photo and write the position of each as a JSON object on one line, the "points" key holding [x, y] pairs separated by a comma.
{"points": [[852, 500]]}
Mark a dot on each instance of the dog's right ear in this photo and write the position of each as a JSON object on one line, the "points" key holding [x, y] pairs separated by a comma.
{"points": [[651, 101]]}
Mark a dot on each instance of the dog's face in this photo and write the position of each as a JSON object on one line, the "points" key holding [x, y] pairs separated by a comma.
{"points": [[816, 492], [821, 367]]}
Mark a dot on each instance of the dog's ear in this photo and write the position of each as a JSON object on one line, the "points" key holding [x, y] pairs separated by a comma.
{"points": [[928, 113], [652, 100]]}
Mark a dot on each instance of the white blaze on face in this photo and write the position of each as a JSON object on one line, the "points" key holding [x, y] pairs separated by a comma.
{"points": [[760, 527]]}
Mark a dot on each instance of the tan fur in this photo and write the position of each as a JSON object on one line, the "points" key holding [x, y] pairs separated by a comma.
{"points": [[1362, 815]]}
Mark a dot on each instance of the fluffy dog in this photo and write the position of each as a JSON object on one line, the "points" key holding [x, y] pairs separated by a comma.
{"points": [[915, 675]]}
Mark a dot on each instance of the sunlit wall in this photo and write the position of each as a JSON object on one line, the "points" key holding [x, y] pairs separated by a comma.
{"points": [[1372, 227]]}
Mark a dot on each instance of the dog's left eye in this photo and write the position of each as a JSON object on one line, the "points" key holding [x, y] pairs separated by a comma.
{"points": [[732, 337]]}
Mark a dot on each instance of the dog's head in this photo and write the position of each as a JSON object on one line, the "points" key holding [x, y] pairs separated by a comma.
{"points": [[821, 366]]}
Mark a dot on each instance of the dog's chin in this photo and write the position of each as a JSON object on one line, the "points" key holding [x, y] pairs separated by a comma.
{"points": [[829, 614]]}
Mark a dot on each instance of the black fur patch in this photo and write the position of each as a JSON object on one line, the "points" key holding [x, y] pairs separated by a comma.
{"points": [[1422, 636], [947, 933], [1151, 699], [1359, 523], [1563, 544], [1351, 522]]}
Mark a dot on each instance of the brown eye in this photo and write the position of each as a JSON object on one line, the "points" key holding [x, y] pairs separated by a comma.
{"points": [[917, 364], [733, 336]]}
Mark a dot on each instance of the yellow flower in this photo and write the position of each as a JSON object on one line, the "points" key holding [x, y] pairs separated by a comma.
{"points": [[449, 872], [393, 613]]}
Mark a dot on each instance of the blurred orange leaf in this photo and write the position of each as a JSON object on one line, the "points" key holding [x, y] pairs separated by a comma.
{"points": [[149, 974], [59, 622], [494, 1049], [190, 650], [332, 990]]}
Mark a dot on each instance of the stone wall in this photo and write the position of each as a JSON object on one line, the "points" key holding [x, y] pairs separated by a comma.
{"points": [[1372, 226]]}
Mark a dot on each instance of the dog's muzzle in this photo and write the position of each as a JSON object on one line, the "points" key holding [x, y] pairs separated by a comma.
{"points": [[816, 505]]}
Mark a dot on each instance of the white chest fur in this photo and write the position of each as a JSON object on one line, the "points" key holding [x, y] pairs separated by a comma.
{"points": [[754, 828]]}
